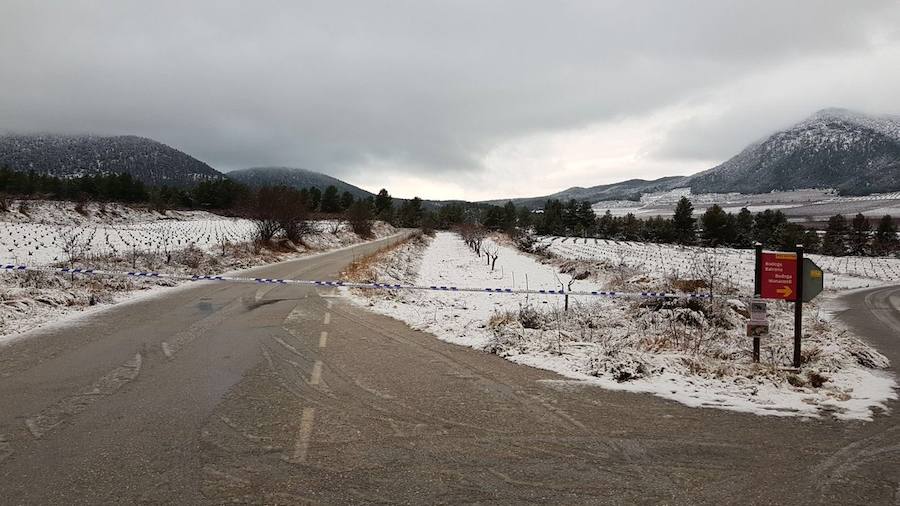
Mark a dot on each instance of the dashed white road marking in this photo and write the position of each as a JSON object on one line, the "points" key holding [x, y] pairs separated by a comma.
{"points": [[323, 339], [329, 303], [316, 375], [301, 446], [166, 350], [327, 318]]}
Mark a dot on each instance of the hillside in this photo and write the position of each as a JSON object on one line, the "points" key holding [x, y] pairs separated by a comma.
{"points": [[296, 178], [853, 153], [626, 190], [147, 160]]}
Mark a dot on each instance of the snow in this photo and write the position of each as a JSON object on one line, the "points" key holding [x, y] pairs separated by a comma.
{"points": [[121, 238], [661, 260], [621, 345], [461, 317]]}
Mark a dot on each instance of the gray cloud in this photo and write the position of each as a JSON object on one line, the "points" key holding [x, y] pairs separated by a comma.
{"points": [[426, 88]]}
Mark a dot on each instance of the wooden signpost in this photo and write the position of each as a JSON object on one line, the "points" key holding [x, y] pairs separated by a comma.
{"points": [[782, 275]]}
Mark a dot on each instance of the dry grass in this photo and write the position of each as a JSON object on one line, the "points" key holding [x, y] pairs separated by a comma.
{"points": [[362, 270]]}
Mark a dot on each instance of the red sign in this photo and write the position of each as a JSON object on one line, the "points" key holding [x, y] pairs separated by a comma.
{"points": [[779, 276]]}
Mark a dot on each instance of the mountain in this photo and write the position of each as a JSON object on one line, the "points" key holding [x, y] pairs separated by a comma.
{"points": [[853, 153], [296, 178], [626, 190], [147, 160]]}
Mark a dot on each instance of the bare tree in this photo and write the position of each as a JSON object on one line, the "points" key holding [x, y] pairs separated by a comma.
{"points": [[166, 235], [492, 252], [73, 244], [279, 209], [334, 226], [566, 288]]}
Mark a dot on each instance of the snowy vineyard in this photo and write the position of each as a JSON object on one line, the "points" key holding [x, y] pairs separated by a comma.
{"points": [[38, 244], [664, 260]]}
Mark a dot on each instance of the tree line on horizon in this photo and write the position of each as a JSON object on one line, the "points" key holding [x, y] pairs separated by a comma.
{"points": [[714, 227]]}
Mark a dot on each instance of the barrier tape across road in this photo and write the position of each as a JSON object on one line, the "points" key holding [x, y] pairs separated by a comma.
{"points": [[343, 284]]}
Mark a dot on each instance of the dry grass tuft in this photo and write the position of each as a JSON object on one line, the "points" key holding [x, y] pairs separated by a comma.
{"points": [[362, 270]]}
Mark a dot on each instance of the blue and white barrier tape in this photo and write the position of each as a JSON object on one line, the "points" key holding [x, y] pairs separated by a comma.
{"points": [[342, 284]]}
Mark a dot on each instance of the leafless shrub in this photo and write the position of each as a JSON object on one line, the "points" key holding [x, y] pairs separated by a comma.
{"points": [[277, 209], [72, 243], [334, 226], [360, 217], [712, 268], [192, 256]]}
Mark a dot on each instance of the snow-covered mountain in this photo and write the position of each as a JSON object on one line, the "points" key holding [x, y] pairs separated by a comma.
{"points": [[835, 148], [852, 152], [296, 178], [145, 159]]}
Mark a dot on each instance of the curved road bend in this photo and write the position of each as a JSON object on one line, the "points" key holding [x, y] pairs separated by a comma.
{"points": [[221, 393]]}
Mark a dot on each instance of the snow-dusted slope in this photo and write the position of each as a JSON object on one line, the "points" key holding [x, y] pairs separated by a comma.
{"points": [[144, 159], [835, 148]]}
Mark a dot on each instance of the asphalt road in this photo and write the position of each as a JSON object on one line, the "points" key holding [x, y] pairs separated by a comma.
{"points": [[224, 393]]}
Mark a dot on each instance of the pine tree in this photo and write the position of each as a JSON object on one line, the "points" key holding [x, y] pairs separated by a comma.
{"points": [[587, 220], [410, 214], [384, 205], [315, 199], [570, 218], [811, 241], [684, 222], [886, 241], [716, 228], [330, 201], [743, 229], [347, 200], [859, 235], [835, 241]]}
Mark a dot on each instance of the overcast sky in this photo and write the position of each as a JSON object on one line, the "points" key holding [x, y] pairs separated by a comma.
{"points": [[454, 99]]}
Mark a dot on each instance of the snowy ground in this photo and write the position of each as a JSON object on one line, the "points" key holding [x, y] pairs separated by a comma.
{"points": [[798, 205], [37, 234], [120, 238], [685, 352], [664, 260]]}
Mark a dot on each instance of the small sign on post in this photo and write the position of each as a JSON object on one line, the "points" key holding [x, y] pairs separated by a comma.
{"points": [[758, 326]]}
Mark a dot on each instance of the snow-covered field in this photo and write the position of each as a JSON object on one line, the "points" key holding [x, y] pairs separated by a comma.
{"points": [[665, 260], [46, 231], [798, 205], [119, 238], [685, 352]]}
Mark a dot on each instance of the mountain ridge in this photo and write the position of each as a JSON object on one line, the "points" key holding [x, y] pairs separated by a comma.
{"points": [[852, 152], [293, 177], [147, 160]]}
